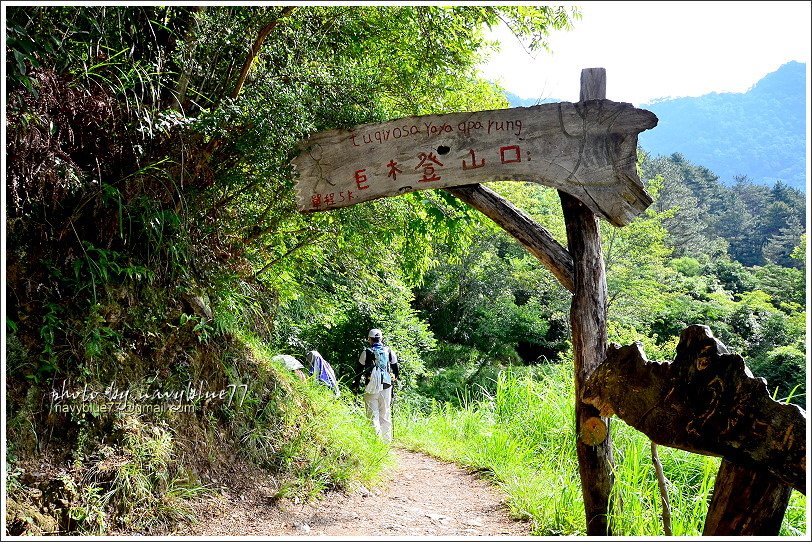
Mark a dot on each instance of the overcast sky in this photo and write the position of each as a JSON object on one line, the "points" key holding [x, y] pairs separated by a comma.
{"points": [[659, 49]]}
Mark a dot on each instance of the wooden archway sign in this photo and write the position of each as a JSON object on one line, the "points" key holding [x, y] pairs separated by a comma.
{"points": [[587, 150]]}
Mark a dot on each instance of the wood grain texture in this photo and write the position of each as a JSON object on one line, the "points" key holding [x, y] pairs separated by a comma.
{"points": [[587, 149], [706, 401], [588, 324], [589, 339], [746, 502]]}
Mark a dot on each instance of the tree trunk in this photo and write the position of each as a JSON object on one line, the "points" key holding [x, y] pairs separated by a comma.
{"points": [[249, 61], [588, 320]]}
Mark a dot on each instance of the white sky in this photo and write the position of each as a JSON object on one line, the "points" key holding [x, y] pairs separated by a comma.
{"points": [[659, 49]]}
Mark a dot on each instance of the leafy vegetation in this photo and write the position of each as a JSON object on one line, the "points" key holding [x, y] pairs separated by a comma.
{"points": [[753, 224], [153, 243], [519, 434], [154, 248]]}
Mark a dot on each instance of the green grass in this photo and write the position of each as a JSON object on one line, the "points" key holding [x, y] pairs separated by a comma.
{"points": [[135, 484], [523, 437]]}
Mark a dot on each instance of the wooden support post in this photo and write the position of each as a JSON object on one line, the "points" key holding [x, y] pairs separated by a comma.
{"points": [[589, 340], [746, 502]]}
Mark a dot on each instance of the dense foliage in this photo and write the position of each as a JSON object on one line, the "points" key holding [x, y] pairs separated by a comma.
{"points": [[497, 304], [754, 224]]}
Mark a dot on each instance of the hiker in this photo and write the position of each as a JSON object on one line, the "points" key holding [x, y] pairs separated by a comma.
{"points": [[377, 370], [323, 371], [291, 363]]}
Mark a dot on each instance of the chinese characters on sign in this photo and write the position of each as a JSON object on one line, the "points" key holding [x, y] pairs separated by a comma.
{"points": [[428, 165], [585, 149], [329, 199]]}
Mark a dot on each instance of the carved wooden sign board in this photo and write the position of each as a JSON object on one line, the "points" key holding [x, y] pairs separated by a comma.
{"points": [[587, 149]]}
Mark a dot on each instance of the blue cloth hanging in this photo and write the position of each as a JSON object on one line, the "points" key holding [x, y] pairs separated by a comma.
{"points": [[319, 366]]}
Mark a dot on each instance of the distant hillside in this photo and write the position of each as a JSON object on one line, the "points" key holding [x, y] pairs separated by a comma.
{"points": [[760, 134], [516, 101]]}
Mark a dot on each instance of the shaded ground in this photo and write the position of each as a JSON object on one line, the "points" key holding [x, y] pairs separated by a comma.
{"points": [[421, 497]]}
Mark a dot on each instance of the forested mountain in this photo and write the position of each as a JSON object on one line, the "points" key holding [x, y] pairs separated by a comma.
{"points": [[759, 134], [155, 257], [752, 223]]}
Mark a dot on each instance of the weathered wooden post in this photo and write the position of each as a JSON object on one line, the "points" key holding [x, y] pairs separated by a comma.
{"points": [[586, 150], [588, 322], [746, 502]]}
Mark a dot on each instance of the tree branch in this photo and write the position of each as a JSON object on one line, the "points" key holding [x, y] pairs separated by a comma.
{"points": [[661, 482], [286, 254], [249, 61], [227, 199]]}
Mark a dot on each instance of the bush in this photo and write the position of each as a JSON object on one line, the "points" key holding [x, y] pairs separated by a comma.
{"points": [[784, 368], [690, 267]]}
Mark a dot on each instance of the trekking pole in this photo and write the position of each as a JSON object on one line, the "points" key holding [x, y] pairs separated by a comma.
{"points": [[392, 409]]}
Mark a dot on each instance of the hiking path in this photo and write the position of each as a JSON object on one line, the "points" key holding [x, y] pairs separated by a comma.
{"points": [[420, 496]]}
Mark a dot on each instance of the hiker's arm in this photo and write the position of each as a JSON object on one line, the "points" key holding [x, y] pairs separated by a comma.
{"points": [[359, 371]]}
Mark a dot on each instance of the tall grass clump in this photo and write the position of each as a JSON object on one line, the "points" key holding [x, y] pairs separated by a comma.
{"points": [[135, 482], [523, 437]]}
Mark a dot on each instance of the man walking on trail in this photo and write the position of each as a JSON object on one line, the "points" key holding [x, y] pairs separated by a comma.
{"points": [[378, 369]]}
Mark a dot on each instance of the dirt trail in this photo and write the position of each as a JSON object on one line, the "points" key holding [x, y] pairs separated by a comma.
{"points": [[421, 497]]}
